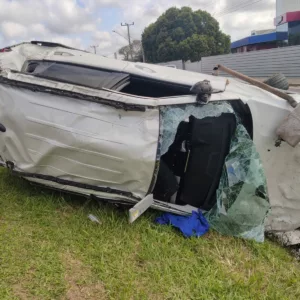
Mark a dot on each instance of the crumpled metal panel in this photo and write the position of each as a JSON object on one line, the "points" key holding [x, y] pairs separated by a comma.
{"points": [[242, 198], [78, 140], [281, 164], [15, 59]]}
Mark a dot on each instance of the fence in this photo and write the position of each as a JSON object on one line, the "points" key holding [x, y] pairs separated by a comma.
{"points": [[260, 64], [194, 67]]}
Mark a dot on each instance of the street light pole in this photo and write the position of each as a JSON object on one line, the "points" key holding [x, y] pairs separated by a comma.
{"points": [[120, 35]]}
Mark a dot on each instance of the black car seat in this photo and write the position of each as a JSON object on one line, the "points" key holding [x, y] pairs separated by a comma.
{"points": [[197, 156], [208, 145]]}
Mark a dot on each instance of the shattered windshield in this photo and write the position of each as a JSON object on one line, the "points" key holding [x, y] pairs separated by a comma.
{"points": [[242, 199], [242, 202]]}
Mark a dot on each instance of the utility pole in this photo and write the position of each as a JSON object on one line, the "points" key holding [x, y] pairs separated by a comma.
{"points": [[128, 32], [116, 56], [95, 48]]}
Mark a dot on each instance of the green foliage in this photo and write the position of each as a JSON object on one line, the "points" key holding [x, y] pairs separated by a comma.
{"points": [[184, 34], [136, 51], [198, 46]]}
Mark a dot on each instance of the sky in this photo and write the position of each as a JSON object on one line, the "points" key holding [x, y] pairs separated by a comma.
{"points": [[82, 23]]}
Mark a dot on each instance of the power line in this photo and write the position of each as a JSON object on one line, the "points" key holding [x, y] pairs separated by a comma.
{"points": [[221, 14], [124, 37], [120, 35], [232, 7], [211, 5], [243, 7]]}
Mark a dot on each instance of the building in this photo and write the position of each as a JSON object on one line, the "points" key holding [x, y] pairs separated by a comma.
{"points": [[259, 42], [288, 16], [287, 27]]}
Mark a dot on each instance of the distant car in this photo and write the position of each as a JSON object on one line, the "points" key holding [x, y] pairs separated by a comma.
{"points": [[122, 131]]}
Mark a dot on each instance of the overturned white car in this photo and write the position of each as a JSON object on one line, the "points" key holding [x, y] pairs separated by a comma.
{"points": [[137, 133]]}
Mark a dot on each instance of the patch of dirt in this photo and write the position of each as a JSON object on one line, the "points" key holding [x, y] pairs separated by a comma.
{"points": [[65, 211], [78, 278], [21, 292]]}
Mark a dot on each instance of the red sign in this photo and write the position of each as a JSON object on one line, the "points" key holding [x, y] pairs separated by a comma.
{"points": [[293, 16], [288, 17]]}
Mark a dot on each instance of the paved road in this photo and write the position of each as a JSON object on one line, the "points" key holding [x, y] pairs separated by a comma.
{"points": [[292, 81], [295, 89]]}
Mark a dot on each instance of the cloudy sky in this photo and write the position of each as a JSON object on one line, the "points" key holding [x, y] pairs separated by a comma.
{"points": [[81, 23]]}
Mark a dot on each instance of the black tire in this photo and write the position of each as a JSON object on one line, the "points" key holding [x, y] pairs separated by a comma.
{"points": [[278, 81]]}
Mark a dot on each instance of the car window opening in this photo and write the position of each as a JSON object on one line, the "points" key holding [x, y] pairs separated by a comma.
{"points": [[193, 153], [98, 79]]}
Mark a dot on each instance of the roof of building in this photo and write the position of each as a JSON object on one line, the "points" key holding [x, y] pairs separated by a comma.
{"points": [[258, 39], [263, 31]]}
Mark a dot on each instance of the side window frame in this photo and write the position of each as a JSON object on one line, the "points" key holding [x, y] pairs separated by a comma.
{"points": [[78, 74]]}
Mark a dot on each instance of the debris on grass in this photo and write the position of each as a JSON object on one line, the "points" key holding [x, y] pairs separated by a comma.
{"points": [[194, 225], [94, 219]]}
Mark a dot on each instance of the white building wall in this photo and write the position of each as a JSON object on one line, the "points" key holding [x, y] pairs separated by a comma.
{"points": [[284, 6]]}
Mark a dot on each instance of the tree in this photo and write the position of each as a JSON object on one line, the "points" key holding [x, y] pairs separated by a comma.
{"points": [[184, 34], [198, 46], [137, 54], [125, 51]]}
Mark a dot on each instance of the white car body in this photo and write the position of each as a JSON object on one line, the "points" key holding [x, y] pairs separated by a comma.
{"points": [[63, 131]]}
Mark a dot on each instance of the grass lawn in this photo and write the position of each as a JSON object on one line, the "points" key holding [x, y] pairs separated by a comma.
{"points": [[49, 249]]}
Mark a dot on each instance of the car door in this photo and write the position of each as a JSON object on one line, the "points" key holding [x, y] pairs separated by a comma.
{"points": [[78, 137]]}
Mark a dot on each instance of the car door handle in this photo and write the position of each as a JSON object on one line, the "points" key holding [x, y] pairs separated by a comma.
{"points": [[2, 128]]}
